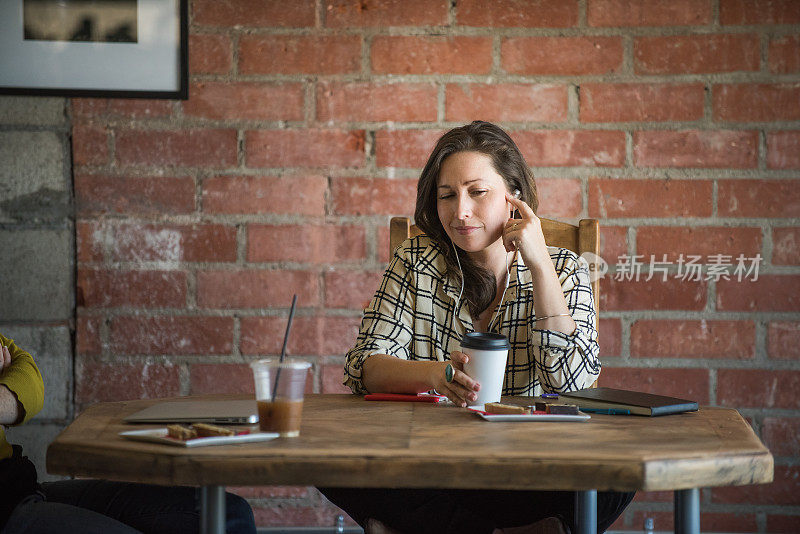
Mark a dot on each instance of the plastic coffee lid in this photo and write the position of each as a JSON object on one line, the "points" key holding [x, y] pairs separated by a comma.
{"points": [[484, 341]]}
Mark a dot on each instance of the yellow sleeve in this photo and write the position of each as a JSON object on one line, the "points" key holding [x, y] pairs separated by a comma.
{"points": [[23, 378]]}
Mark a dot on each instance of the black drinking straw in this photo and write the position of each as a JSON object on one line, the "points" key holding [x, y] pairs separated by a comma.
{"points": [[283, 350]]}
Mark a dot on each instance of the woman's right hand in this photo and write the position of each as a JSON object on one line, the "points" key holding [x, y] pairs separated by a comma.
{"points": [[462, 389]]}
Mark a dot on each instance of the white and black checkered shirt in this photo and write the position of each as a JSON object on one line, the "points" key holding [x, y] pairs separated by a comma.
{"points": [[411, 317]]}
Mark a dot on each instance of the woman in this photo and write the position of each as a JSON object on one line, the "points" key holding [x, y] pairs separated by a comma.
{"points": [[477, 267]]}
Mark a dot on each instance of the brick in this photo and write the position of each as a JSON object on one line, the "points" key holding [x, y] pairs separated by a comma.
{"points": [[221, 378], [784, 54], [783, 340], [245, 100], [783, 490], [506, 102], [559, 148], [322, 335], [89, 239], [182, 148], [610, 198], [781, 524], [786, 246], [688, 383], [350, 289], [332, 377], [100, 194], [83, 108], [253, 13], [756, 102], [89, 144], [648, 13], [783, 150], [561, 55], [759, 12], [640, 102], [384, 13], [696, 54], [518, 13], [559, 197], [104, 382], [782, 435], [709, 522], [172, 335], [363, 101], [656, 294], [299, 54], [693, 339], [373, 196], [759, 198], [137, 108], [702, 241], [771, 292], [401, 54], [87, 335], [654, 496], [286, 514], [613, 242], [301, 195], [696, 148], [609, 337], [153, 242], [305, 148], [305, 243], [758, 388], [405, 148], [211, 54], [146, 289], [256, 288]]}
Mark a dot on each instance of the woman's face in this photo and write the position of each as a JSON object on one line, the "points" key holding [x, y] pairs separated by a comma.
{"points": [[471, 200]]}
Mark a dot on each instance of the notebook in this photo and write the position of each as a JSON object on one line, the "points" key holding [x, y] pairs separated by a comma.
{"points": [[636, 402], [239, 412]]}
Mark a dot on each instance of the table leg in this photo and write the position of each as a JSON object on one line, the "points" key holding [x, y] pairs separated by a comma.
{"points": [[687, 511], [212, 510], [586, 512]]}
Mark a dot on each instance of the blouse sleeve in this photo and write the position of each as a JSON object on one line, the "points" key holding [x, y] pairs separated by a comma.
{"points": [[22, 377], [569, 362], [386, 327]]}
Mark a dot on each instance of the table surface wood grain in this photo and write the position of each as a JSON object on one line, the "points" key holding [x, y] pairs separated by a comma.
{"points": [[347, 441]]}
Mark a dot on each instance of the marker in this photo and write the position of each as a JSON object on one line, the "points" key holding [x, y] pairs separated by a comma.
{"points": [[549, 395], [606, 411]]}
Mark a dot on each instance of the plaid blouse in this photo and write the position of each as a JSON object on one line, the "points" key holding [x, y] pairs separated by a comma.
{"points": [[411, 317]]}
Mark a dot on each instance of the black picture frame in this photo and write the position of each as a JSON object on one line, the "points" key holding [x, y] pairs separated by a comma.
{"points": [[106, 76]]}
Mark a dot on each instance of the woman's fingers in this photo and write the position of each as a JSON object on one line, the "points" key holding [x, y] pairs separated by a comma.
{"points": [[525, 211], [6, 359]]}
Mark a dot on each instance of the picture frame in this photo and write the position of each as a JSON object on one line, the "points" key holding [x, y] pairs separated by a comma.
{"points": [[94, 48]]}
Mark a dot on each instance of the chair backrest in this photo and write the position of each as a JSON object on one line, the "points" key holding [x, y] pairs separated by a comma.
{"points": [[579, 239]]}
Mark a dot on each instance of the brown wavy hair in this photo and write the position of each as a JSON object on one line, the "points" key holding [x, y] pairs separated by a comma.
{"points": [[480, 285]]}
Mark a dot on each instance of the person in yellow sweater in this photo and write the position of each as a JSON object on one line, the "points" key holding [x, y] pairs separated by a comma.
{"points": [[86, 506]]}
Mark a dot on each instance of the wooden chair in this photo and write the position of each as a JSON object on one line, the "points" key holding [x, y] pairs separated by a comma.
{"points": [[579, 239]]}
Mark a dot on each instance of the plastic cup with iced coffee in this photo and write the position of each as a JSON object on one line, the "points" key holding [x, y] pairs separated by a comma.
{"points": [[279, 394]]}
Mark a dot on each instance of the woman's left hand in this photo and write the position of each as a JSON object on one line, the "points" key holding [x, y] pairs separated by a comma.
{"points": [[525, 235]]}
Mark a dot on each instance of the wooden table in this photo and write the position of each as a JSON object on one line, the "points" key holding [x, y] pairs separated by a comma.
{"points": [[346, 441]]}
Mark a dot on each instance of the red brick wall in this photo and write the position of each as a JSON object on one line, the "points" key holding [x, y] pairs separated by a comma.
{"points": [[677, 124]]}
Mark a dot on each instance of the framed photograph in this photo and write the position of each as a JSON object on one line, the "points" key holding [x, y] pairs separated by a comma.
{"points": [[99, 48]]}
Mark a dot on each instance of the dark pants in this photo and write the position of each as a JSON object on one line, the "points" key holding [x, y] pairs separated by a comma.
{"points": [[468, 511], [104, 506]]}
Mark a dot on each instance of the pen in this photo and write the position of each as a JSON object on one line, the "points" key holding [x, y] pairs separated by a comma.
{"points": [[606, 411]]}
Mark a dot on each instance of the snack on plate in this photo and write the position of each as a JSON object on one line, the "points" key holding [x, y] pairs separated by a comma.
{"points": [[540, 406], [562, 409], [498, 408], [206, 431], [181, 432]]}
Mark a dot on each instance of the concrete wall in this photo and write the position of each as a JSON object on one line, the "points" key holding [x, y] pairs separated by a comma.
{"points": [[37, 248]]}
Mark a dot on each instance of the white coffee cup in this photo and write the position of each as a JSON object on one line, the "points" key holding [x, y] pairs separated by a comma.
{"points": [[488, 354]]}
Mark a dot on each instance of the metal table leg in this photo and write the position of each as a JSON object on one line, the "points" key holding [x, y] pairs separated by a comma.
{"points": [[586, 512], [687, 511], [212, 510]]}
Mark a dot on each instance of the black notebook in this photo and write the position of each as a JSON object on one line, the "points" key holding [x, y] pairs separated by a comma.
{"points": [[633, 401]]}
